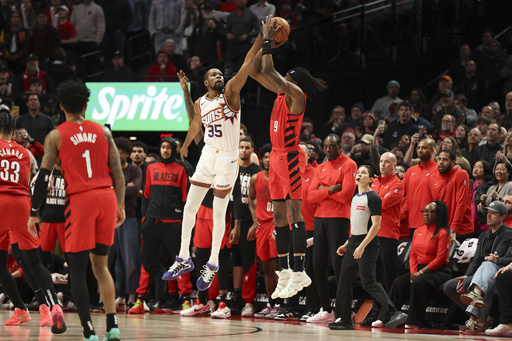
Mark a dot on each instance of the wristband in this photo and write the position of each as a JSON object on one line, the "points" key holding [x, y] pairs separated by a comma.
{"points": [[34, 212], [421, 272], [267, 47]]}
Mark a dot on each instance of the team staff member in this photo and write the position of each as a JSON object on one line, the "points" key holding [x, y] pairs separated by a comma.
{"points": [[456, 195], [420, 184], [361, 251], [391, 191], [331, 189], [165, 193], [260, 205], [86, 151], [286, 160]]}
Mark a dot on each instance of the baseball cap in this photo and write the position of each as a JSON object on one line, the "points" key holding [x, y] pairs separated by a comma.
{"points": [[367, 138], [358, 105], [498, 206], [446, 78], [32, 58], [117, 54], [4, 107], [446, 92], [64, 7]]}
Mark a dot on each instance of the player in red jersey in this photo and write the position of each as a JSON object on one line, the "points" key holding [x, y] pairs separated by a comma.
{"points": [[86, 151], [286, 159], [14, 198]]}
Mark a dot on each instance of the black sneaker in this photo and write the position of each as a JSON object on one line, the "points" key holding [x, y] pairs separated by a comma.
{"points": [[307, 315], [367, 322], [341, 325], [288, 316], [396, 319], [161, 306]]}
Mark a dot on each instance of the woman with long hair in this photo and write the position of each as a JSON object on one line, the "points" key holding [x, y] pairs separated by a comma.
{"points": [[360, 252], [461, 135], [428, 261], [482, 174]]}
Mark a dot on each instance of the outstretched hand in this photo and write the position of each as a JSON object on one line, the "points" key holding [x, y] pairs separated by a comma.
{"points": [[183, 80]]}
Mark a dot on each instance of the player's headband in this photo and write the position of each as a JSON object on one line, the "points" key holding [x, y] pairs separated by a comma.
{"points": [[293, 74]]}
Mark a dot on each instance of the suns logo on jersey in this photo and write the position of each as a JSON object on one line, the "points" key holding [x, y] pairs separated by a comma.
{"points": [[222, 112]]}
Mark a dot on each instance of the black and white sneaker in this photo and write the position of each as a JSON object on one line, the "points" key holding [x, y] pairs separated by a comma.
{"points": [[288, 315], [307, 315]]}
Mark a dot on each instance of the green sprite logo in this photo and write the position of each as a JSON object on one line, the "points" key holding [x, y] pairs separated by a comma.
{"points": [[138, 106]]}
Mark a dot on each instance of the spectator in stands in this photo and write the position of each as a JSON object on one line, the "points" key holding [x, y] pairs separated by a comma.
{"points": [[32, 71], [386, 106], [483, 124], [331, 190], [60, 70], [89, 21], [447, 127], [457, 68], [306, 133], [471, 85], [177, 60], [163, 70], [471, 115], [369, 124], [448, 107], [488, 151], [118, 17], [16, 41], [419, 103], [461, 136], [482, 51], [23, 138], [7, 86], [482, 174], [29, 14], [262, 9], [119, 72], [444, 83], [66, 29], [45, 39], [53, 18], [140, 17], [473, 292], [335, 121], [488, 112], [505, 119], [400, 169], [391, 191], [37, 124], [504, 289], [242, 26], [496, 110], [470, 152], [348, 141], [490, 71], [164, 22], [428, 261], [405, 125], [195, 73], [420, 184], [208, 35], [356, 117], [503, 183], [361, 151], [456, 195], [450, 143]]}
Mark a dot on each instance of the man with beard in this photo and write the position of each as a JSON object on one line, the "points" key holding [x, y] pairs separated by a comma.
{"points": [[422, 185], [488, 151], [219, 111], [456, 195]]}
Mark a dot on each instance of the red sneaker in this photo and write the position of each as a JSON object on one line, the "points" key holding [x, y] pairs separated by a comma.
{"points": [[45, 316], [19, 317], [58, 324]]}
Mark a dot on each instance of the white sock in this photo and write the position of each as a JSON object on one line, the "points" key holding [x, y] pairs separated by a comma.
{"points": [[219, 227], [195, 197]]}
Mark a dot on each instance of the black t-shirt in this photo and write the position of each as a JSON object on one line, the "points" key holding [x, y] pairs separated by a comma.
{"points": [[54, 205], [245, 174]]}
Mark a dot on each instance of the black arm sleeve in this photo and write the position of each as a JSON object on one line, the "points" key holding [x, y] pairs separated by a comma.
{"points": [[237, 200], [40, 189]]}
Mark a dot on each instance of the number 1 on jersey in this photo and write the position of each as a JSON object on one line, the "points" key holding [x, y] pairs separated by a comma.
{"points": [[87, 156]]}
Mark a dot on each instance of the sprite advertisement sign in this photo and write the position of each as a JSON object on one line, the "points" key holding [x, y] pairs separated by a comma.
{"points": [[138, 106]]}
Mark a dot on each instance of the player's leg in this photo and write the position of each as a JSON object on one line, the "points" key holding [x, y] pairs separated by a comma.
{"points": [[99, 261]]}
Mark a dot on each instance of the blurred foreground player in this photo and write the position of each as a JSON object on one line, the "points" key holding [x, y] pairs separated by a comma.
{"points": [[86, 151]]}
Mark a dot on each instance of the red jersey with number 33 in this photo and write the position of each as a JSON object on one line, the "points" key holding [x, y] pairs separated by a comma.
{"points": [[284, 126], [84, 155], [14, 168]]}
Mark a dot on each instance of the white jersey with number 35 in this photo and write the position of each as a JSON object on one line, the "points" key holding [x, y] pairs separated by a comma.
{"points": [[221, 123]]}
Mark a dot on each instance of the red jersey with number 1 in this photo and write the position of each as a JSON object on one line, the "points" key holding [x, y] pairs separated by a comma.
{"points": [[84, 155], [263, 201], [14, 168], [284, 126]]}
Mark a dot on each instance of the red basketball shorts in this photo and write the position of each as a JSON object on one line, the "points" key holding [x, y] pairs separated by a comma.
{"points": [[48, 236], [90, 219], [265, 242], [15, 214], [285, 174]]}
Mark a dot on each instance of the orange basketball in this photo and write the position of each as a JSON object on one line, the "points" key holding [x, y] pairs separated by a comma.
{"points": [[283, 29]]}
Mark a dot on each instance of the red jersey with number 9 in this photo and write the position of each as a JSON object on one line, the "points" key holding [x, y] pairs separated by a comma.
{"points": [[284, 126], [14, 168], [84, 153]]}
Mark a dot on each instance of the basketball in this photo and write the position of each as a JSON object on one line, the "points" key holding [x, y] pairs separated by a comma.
{"points": [[283, 29]]}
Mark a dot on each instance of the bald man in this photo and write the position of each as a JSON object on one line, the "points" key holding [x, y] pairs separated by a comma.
{"points": [[391, 191]]}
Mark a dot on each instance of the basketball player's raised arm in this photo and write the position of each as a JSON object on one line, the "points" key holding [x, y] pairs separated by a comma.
{"points": [[189, 105], [117, 176], [194, 129], [255, 72]]}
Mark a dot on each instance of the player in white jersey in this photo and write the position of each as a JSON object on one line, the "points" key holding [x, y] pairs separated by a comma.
{"points": [[219, 112]]}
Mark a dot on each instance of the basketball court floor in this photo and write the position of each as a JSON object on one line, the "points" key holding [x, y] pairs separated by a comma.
{"points": [[173, 327]]}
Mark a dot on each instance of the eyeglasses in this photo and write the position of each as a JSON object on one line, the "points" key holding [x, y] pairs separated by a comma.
{"points": [[474, 135], [428, 211], [446, 121], [399, 171], [311, 149]]}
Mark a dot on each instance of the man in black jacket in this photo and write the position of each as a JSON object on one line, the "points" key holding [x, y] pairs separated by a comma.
{"points": [[474, 291], [165, 192]]}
